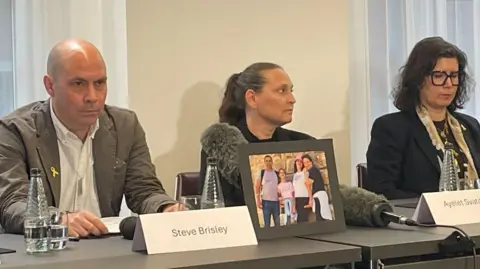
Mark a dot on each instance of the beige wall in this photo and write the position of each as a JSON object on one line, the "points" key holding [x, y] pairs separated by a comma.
{"points": [[181, 52]]}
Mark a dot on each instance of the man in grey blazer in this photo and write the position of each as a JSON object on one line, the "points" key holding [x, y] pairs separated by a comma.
{"points": [[90, 154]]}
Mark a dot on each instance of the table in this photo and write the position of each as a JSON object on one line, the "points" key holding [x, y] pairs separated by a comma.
{"points": [[115, 252], [398, 241], [473, 230]]}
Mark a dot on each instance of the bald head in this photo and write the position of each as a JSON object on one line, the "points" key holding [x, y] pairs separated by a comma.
{"points": [[70, 50], [77, 84]]}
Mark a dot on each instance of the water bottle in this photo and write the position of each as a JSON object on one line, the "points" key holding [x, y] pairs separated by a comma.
{"points": [[476, 183], [449, 177], [37, 217], [212, 195]]}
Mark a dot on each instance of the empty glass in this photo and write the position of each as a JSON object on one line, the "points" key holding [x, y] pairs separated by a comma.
{"points": [[191, 202], [58, 229]]}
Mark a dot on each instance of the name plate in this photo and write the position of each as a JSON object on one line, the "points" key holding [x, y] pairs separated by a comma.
{"points": [[194, 230], [448, 208]]}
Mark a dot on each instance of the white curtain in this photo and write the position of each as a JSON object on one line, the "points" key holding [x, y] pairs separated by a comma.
{"points": [[383, 32], [6, 58], [39, 24]]}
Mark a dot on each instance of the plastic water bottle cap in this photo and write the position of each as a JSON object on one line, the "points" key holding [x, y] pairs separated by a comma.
{"points": [[35, 172], [211, 160], [448, 146]]}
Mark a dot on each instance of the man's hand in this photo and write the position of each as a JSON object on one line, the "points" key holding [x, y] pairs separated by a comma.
{"points": [[84, 223], [175, 207]]}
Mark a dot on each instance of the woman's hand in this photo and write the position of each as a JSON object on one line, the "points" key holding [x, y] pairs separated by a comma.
{"points": [[259, 203], [310, 203]]}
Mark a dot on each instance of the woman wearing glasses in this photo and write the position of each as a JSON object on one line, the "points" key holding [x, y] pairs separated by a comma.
{"points": [[406, 150]]}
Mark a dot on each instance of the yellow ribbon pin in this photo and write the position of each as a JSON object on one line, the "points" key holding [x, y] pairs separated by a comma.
{"points": [[54, 171]]}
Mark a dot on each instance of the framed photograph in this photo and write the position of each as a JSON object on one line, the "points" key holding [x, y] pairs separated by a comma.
{"points": [[291, 188]]}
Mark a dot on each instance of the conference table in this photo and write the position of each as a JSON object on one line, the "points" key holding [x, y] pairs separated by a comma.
{"points": [[395, 246], [400, 246], [115, 252]]}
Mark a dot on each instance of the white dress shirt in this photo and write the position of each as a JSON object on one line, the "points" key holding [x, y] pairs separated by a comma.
{"points": [[78, 188]]}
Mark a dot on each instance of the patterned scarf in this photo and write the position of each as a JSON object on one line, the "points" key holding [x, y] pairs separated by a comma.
{"points": [[457, 131]]}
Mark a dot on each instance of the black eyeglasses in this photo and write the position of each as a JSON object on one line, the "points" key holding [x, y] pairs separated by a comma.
{"points": [[439, 78]]}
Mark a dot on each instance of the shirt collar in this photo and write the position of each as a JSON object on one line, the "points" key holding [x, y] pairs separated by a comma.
{"points": [[63, 133]]}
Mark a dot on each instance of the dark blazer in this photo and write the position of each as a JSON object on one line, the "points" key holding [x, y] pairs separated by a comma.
{"points": [[234, 196], [122, 163], [401, 160]]}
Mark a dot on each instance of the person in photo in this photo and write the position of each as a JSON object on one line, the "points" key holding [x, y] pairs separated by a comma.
{"points": [[303, 194], [321, 204], [266, 193], [286, 193]]}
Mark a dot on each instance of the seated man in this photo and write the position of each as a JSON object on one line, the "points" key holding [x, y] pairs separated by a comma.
{"points": [[90, 154]]}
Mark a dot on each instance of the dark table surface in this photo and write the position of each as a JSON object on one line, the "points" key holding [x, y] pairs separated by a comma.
{"points": [[395, 240], [115, 252], [473, 230]]}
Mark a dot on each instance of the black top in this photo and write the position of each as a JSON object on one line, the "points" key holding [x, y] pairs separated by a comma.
{"points": [[233, 195], [401, 160], [316, 176]]}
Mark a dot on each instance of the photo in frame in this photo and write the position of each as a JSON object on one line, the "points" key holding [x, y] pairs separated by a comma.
{"points": [[291, 188]]}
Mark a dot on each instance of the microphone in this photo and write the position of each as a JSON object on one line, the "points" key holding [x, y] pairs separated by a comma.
{"points": [[220, 141], [127, 227], [365, 208]]}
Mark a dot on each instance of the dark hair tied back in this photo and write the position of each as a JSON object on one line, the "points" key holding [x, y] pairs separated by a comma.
{"points": [[232, 109]]}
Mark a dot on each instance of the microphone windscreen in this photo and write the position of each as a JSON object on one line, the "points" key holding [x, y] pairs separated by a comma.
{"points": [[127, 227], [220, 141], [363, 208]]}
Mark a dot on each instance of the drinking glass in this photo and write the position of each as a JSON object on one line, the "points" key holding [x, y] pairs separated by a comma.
{"points": [[58, 229], [191, 202]]}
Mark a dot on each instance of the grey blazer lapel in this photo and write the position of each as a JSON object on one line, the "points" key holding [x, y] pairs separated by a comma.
{"points": [[104, 156], [47, 149]]}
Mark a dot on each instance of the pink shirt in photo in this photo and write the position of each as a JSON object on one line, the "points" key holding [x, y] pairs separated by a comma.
{"points": [[286, 189]]}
